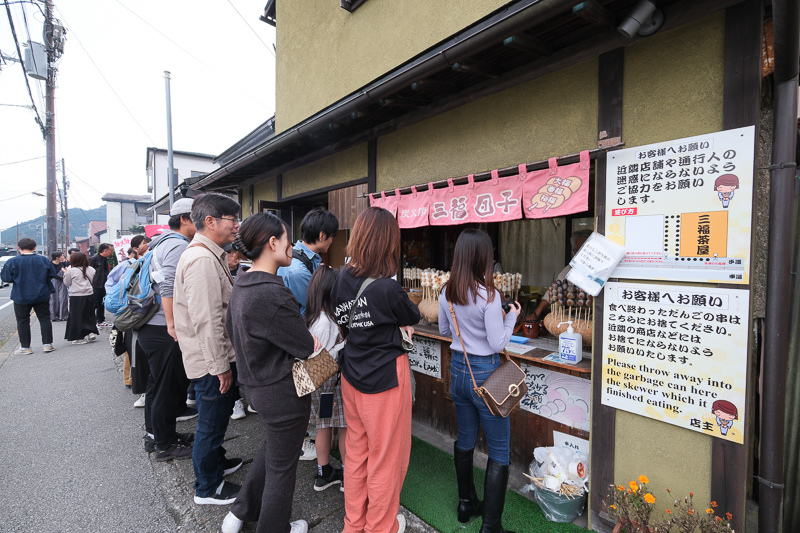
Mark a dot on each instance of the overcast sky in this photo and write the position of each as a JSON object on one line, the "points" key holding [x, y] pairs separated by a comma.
{"points": [[110, 95]]}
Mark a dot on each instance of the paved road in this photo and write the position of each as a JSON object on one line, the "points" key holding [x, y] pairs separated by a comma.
{"points": [[71, 455]]}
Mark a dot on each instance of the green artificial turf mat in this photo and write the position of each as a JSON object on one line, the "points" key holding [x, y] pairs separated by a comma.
{"points": [[430, 492]]}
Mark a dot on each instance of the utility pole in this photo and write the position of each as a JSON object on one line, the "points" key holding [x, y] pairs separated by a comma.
{"points": [[50, 133], [66, 207], [171, 181]]}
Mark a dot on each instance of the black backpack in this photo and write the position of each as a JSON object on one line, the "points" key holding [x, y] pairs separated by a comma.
{"points": [[300, 255]]}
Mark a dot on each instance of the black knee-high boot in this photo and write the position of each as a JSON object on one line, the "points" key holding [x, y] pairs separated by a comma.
{"points": [[494, 498], [468, 503]]}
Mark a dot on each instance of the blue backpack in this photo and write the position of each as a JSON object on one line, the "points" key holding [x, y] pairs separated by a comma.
{"points": [[134, 299]]}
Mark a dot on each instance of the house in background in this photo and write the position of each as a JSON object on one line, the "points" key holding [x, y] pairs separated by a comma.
{"points": [[190, 166], [124, 211], [96, 234]]}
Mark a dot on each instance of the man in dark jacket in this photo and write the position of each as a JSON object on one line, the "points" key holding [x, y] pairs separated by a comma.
{"points": [[99, 262], [31, 275]]}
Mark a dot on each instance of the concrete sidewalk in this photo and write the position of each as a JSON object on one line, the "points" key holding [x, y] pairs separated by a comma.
{"points": [[73, 458]]}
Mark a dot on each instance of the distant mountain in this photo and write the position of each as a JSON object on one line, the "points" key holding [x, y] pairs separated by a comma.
{"points": [[78, 226]]}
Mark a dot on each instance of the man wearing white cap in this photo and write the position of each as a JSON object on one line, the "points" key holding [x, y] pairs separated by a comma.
{"points": [[159, 342]]}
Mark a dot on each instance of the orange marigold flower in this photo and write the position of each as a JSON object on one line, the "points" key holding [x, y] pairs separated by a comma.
{"points": [[643, 479], [669, 511], [709, 511], [691, 494], [669, 491], [649, 498], [728, 516], [691, 512], [718, 518], [621, 488], [714, 504], [613, 506], [633, 485]]}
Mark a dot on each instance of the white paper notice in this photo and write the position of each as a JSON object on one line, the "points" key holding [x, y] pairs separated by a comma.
{"points": [[593, 264]]}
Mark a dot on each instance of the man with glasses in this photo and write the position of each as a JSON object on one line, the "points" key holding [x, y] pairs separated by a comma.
{"points": [[202, 290]]}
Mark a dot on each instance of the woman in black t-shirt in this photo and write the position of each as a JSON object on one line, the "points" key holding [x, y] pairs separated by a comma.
{"points": [[376, 380]]}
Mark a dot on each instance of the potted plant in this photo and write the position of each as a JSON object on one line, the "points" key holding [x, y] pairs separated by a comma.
{"points": [[632, 506]]}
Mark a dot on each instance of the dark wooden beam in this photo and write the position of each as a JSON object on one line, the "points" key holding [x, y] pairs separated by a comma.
{"points": [[596, 14], [528, 44], [372, 165], [609, 119], [434, 86], [479, 68], [741, 106]]}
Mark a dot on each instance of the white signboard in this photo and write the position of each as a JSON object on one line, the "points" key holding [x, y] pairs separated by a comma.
{"points": [[560, 397], [121, 247], [682, 209], [426, 357], [677, 354], [570, 441]]}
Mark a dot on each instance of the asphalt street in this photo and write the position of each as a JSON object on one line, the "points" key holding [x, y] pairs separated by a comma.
{"points": [[72, 457]]}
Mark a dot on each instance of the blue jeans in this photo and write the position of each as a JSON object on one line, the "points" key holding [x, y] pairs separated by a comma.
{"points": [[213, 412], [471, 410]]}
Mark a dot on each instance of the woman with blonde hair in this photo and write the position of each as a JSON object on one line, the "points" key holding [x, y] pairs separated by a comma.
{"points": [[371, 307]]}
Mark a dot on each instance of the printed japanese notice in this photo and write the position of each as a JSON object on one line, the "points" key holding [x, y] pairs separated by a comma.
{"points": [[683, 208], [426, 357], [677, 354]]}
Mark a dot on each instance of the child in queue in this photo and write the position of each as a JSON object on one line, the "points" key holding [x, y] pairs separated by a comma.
{"points": [[326, 402]]}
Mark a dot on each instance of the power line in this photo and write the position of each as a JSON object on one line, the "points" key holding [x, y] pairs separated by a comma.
{"points": [[22, 160], [24, 73], [218, 74], [81, 180], [105, 79], [21, 195], [251, 29]]}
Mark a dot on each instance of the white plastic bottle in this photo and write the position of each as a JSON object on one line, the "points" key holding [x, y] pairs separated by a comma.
{"points": [[570, 345]]}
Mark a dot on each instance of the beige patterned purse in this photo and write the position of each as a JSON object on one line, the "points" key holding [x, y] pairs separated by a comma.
{"points": [[309, 375]]}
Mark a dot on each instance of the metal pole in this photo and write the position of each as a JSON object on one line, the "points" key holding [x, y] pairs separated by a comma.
{"points": [[171, 177], [66, 207], [50, 137]]}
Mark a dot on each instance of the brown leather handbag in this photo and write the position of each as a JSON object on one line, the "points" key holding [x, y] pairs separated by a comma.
{"points": [[309, 375], [504, 389]]}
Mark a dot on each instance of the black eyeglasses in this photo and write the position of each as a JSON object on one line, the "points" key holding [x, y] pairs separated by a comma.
{"points": [[232, 219]]}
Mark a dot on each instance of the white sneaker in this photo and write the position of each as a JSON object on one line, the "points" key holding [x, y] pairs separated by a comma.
{"points": [[299, 526], [190, 402], [48, 348], [251, 410], [23, 351], [402, 521], [92, 337], [231, 524], [238, 410], [80, 341], [139, 402], [309, 451]]}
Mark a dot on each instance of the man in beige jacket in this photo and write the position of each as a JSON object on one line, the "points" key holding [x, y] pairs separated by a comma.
{"points": [[202, 290]]}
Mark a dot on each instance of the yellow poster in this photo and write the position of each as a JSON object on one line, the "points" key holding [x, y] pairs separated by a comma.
{"points": [[683, 208], [677, 354]]}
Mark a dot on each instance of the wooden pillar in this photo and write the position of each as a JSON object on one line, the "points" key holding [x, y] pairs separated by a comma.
{"points": [[741, 105], [609, 133]]}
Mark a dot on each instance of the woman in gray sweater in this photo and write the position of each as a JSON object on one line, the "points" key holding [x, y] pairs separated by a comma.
{"points": [[81, 327], [484, 330], [268, 333]]}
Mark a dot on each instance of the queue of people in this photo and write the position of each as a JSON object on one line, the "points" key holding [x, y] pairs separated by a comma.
{"points": [[218, 327]]}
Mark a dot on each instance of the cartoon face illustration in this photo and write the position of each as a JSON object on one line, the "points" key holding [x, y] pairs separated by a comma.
{"points": [[724, 186], [722, 415], [726, 413]]}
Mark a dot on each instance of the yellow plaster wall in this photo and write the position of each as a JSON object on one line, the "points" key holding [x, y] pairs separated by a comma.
{"points": [[246, 203], [680, 97], [325, 53], [550, 116], [266, 190], [344, 166]]}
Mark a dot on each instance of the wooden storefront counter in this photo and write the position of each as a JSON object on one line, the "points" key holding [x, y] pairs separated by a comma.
{"points": [[434, 406]]}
